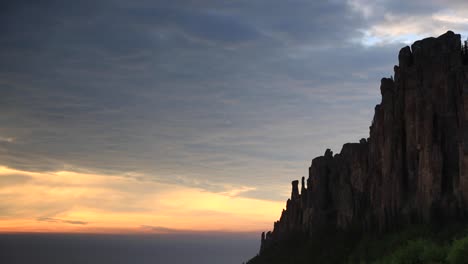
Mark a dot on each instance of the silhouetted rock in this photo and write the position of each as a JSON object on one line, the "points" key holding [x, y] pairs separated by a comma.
{"points": [[413, 168], [295, 190]]}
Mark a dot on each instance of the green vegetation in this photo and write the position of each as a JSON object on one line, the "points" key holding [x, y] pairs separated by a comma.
{"points": [[458, 252], [413, 245], [416, 251]]}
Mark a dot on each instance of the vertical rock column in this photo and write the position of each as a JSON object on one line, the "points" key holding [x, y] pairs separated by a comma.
{"points": [[464, 148]]}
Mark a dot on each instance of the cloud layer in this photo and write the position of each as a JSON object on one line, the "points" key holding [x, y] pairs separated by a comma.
{"points": [[230, 98]]}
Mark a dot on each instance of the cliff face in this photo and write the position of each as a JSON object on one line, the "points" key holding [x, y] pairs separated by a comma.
{"points": [[413, 168]]}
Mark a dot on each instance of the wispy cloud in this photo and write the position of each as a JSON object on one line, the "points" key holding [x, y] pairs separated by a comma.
{"points": [[7, 139], [56, 220], [398, 21], [160, 229]]}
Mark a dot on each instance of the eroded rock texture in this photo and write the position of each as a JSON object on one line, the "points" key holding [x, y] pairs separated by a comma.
{"points": [[413, 168]]}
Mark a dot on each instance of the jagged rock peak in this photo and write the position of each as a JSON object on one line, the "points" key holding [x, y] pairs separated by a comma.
{"points": [[295, 190], [429, 49]]}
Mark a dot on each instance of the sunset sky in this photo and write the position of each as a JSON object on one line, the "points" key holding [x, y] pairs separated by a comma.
{"points": [[174, 116]]}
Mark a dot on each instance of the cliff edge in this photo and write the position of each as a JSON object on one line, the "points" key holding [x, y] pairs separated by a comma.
{"points": [[413, 167]]}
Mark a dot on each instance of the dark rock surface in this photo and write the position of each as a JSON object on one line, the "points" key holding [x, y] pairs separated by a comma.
{"points": [[413, 168]]}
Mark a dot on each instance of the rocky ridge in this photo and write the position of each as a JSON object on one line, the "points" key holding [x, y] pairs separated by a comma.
{"points": [[413, 168]]}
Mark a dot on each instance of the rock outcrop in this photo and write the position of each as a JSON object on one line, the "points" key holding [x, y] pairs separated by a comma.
{"points": [[413, 168]]}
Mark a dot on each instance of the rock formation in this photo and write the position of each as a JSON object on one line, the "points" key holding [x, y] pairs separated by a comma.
{"points": [[413, 168]]}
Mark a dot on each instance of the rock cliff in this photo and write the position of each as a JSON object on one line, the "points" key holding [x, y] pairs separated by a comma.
{"points": [[413, 167]]}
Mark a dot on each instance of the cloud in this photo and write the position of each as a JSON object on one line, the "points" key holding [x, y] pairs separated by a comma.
{"points": [[160, 229], [56, 220], [13, 179], [403, 21], [7, 139], [209, 26]]}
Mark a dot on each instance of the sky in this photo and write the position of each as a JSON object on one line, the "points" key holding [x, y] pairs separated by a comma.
{"points": [[186, 116]]}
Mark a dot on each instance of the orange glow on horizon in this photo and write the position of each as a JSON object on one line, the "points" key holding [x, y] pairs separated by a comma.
{"points": [[74, 202]]}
